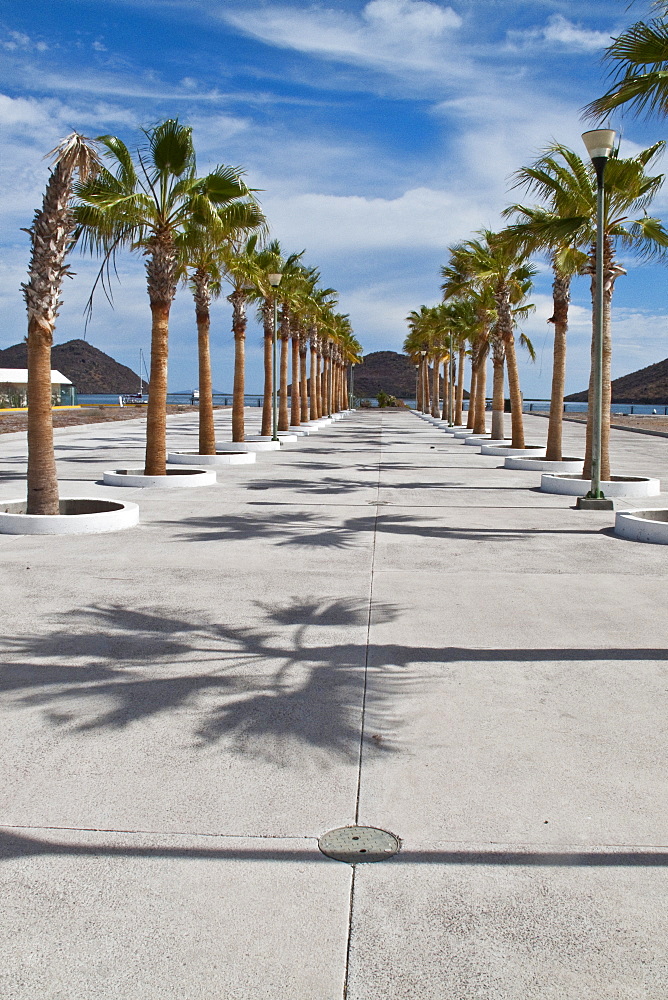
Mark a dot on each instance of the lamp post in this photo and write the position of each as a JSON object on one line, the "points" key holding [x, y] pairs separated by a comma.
{"points": [[600, 143], [451, 394], [423, 382], [274, 281]]}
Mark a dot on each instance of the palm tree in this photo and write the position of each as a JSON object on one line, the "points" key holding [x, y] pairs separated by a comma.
{"points": [[203, 255], [417, 345], [494, 266], [461, 319], [460, 285], [290, 291], [563, 177], [199, 252], [52, 235], [537, 230], [639, 58], [243, 270], [143, 207], [270, 260]]}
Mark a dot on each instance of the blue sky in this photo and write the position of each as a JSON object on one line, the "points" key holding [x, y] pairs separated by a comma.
{"points": [[379, 133]]}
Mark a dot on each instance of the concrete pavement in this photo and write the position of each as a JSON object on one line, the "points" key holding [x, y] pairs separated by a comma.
{"points": [[375, 625]]}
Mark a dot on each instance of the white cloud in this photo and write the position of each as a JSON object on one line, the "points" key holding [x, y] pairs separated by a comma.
{"points": [[16, 41], [393, 35], [561, 34], [419, 218]]}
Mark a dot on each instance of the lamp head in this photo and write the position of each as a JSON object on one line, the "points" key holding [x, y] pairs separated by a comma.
{"points": [[274, 279], [600, 142]]}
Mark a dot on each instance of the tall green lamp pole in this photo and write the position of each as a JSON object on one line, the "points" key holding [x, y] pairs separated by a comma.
{"points": [[274, 281], [600, 144], [451, 394], [424, 383]]}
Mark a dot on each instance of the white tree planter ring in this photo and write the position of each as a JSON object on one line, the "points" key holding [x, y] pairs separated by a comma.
{"points": [[619, 486], [244, 446], [175, 478], [531, 450], [643, 525], [78, 516], [219, 459], [542, 464]]}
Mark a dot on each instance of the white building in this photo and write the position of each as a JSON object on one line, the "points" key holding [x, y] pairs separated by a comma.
{"points": [[14, 389]]}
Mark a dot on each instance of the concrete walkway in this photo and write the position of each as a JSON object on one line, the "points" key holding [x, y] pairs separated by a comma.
{"points": [[375, 625]]}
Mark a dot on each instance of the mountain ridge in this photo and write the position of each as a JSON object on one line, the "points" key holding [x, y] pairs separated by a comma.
{"points": [[90, 370], [646, 385]]}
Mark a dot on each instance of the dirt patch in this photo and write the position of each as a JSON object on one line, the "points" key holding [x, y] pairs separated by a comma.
{"points": [[634, 421], [10, 422]]}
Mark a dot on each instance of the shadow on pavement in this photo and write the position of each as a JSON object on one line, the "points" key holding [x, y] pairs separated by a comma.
{"points": [[262, 689], [15, 845]]}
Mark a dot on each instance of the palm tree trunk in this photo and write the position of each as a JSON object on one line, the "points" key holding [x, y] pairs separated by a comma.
{"points": [[42, 475], [295, 388], [561, 298], [435, 412], [606, 392], [303, 389], [498, 359], [505, 325], [51, 238], [268, 340], [481, 393], [517, 422], [446, 388], [313, 395], [473, 389], [459, 401], [155, 463], [207, 433], [283, 411], [238, 300], [319, 382], [346, 400], [324, 395], [328, 382]]}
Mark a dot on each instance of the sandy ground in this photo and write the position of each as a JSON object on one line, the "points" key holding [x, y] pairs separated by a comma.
{"points": [[636, 421], [10, 422]]}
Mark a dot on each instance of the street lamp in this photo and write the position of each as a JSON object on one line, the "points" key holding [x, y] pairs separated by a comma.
{"points": [[424, 383], [274, 281], [600, 143], [451, 394]]}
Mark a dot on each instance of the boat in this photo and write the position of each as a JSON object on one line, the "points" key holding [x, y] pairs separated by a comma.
{"points": [[136, 398]]}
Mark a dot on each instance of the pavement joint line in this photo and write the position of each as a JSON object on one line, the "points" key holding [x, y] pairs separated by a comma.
{"points": [[361, 743], [346, 970]]}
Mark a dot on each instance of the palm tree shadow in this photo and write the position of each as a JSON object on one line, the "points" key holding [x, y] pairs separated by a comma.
{"points": [[262, 690]]}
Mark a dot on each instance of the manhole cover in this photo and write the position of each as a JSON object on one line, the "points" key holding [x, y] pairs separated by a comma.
{"points": [[358, 843]]}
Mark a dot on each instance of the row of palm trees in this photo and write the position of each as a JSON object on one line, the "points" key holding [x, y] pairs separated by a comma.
{"points": [[206, 232], [488, 279]]}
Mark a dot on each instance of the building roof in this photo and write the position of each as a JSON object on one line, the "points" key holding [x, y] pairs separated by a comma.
{"points": [[19, 376]]}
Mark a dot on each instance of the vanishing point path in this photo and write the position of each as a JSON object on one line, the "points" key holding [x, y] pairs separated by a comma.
{"points": [[375, 626]]}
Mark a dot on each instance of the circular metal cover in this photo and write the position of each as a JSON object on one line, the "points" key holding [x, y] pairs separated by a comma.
{"points": [[355, 844]]}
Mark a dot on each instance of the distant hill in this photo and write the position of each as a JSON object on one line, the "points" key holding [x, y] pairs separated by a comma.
{"points": [[647, 385], [385, 371], [89, 369]]}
